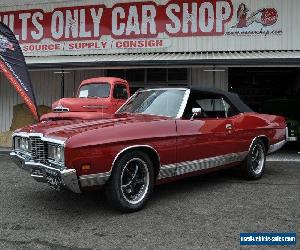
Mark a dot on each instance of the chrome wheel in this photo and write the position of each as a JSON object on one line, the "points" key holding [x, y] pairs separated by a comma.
{"points": [[257, 159], [135, 180]]}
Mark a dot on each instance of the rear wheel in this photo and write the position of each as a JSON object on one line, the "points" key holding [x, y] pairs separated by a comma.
{"points": [[131, 182], [254, 164]]}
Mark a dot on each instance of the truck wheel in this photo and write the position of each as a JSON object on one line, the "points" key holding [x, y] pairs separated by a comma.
{"points": [[254, 164], [131, 182]]}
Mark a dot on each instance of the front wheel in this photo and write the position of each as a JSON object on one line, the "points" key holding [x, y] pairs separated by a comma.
{"points": [[254, 164], [131, 182]]}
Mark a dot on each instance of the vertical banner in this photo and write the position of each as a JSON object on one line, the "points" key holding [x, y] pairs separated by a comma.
{"points": [[13, 65]]}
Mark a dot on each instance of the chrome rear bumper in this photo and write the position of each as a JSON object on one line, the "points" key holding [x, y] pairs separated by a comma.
{"points": [[43, 173], [293, 139]]}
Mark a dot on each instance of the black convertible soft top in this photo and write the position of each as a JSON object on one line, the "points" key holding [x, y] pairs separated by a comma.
{"points": [[233, 98]]}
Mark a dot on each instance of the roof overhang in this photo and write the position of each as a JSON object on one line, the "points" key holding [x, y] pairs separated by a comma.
{"points": [[237, 58]]}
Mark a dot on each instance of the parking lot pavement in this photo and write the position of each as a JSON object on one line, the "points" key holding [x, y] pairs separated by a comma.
{"points": [[4, 151], [204, 212], [285, 156]]}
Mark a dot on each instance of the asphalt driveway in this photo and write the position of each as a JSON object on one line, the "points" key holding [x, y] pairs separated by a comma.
{"points": [[205, 212]]}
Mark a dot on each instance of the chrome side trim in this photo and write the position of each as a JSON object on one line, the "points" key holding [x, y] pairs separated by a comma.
{"points": [[274, 147], [131, 147], [95, 107], [47, 139], [183, 104], [94, 179], [257, 137], [101, 178], [186, 167]]}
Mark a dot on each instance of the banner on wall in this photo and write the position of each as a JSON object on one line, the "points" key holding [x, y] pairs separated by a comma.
{"points": [[136, 25], [13, 66]]}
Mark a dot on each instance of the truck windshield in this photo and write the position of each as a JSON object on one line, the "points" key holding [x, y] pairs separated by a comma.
{"points": [[94, 90], [162, 102]]}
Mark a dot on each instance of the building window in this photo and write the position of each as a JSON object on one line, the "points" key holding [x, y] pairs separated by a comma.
{"points": [[157, 75], [135, 75], [130, 75], [165, 76], [120, 73], [178, 74]]}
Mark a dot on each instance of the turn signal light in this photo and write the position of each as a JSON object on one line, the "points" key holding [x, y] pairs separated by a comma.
{"points": [[86, 167]]}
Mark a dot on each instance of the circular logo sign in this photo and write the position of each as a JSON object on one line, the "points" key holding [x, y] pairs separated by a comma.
{"points": [[269, 16]]}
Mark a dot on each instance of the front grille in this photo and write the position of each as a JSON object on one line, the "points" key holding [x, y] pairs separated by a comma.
{"points": [[38, 149], [60, 110]]}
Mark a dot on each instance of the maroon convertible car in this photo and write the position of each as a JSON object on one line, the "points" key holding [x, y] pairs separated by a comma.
{"points": [[158, 135]]}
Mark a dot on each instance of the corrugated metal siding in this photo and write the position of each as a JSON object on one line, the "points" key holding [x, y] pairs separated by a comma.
{"points": [[8, 98], [201, 78], [170, 58], [47, 87]]}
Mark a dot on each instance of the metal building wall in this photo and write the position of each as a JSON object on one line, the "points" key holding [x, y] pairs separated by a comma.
{"points": [[288, 22], [202, 77], [47, 86]]}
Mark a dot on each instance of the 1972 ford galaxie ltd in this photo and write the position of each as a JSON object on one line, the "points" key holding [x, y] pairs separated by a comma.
{"points": [[158, 135]]}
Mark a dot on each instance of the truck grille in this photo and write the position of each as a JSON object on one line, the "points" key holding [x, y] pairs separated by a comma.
{"points": [[38, 149], [60, 109]]}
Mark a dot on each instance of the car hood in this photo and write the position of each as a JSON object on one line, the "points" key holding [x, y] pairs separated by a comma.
{"points": [[82, 104], [64, 129]]}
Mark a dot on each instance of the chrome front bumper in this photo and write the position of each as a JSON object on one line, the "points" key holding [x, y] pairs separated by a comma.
{"points": [[42, 173]]}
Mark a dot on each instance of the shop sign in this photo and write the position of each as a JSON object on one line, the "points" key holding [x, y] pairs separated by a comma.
{"points": [[135, 25]]}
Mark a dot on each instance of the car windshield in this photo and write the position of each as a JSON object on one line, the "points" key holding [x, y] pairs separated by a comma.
{"points": [[162, 102], [94, 90]]}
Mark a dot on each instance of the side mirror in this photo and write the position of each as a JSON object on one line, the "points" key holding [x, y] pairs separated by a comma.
{"points": [[196, 112]]}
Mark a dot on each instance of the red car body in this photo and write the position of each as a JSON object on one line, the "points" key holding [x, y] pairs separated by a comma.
{"points": [[89, 108], [178, 147]]}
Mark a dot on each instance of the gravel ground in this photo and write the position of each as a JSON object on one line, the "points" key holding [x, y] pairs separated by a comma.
{"points": [[204, 212]]}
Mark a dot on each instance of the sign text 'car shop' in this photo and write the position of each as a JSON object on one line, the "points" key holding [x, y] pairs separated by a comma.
{"points": [[133, 25]]}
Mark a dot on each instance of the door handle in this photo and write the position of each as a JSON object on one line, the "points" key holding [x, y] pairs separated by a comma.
{"points": [[229, 126]]}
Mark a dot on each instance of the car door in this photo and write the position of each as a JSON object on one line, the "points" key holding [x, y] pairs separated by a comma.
{"points": [[205, 141]]}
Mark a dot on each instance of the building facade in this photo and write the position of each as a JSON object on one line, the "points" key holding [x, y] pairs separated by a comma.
{"points": [[247, 46]]}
